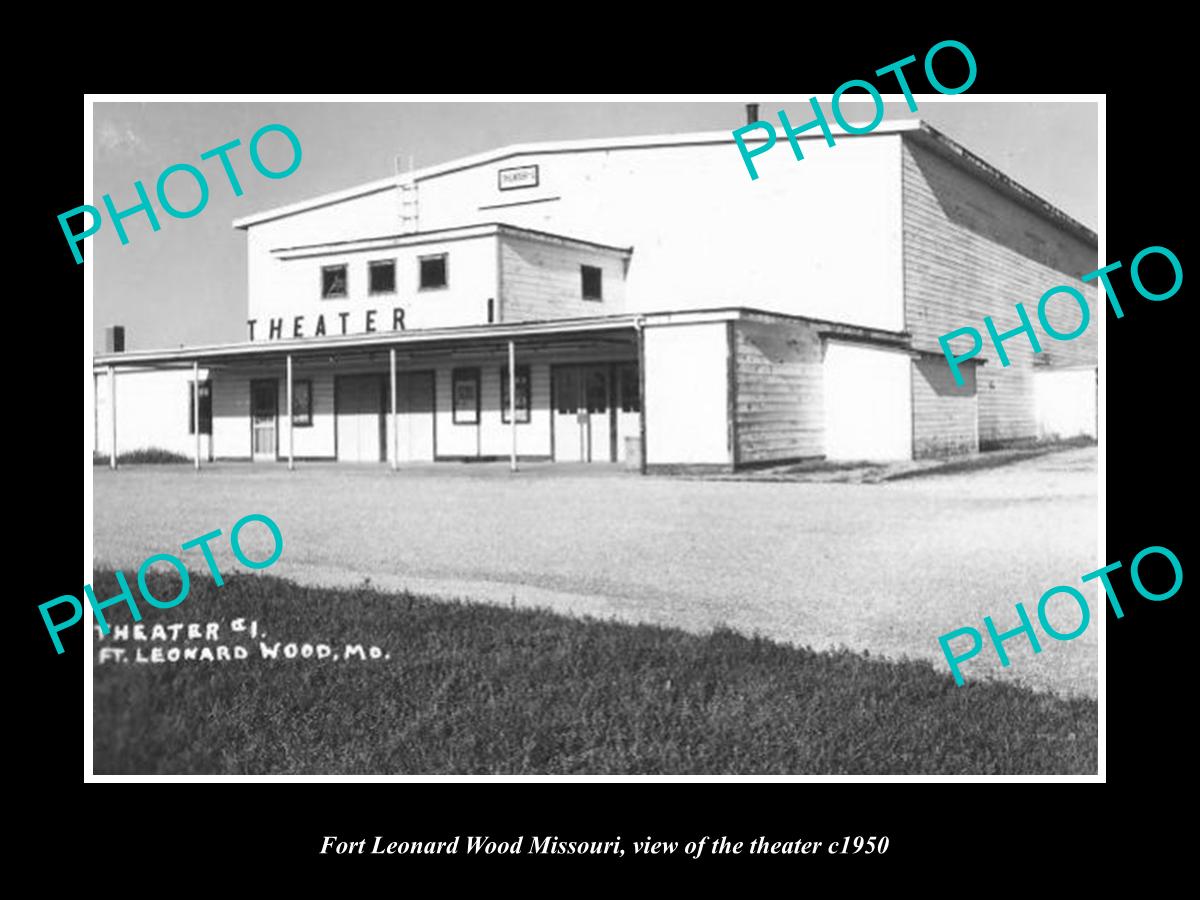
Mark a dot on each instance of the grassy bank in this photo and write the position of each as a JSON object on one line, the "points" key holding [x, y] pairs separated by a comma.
{"points": [[143, 456], [469, 688]]}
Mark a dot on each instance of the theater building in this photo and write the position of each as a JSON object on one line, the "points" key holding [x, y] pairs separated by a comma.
{"points": [[635, 300]]}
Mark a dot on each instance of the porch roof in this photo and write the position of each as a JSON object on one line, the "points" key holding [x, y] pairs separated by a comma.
{"points": [[430, 340], [593, 331]]}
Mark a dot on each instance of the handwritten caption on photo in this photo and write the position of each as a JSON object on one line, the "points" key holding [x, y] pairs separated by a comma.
{"points": [[183, 642]]}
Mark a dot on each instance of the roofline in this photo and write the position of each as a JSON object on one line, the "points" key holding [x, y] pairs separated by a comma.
{"points": [[386, 339], [458, 232], [917, 128], [510, 150], [951, 149]]}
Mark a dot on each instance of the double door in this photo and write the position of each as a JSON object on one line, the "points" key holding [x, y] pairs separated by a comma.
{"points": [[359, 400], [584, 426], [364, 422]]}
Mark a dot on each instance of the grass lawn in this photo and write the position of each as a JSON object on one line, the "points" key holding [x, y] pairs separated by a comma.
{"points": [[142, 456], [464, 688]]}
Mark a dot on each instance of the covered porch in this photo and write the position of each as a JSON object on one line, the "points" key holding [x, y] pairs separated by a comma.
{"points": [[567, 391]]}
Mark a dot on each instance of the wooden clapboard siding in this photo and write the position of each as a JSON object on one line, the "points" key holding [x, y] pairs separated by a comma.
{"points": [[777, 384], [1006, 407], [971, 251], [540, 280], [945, 416]]}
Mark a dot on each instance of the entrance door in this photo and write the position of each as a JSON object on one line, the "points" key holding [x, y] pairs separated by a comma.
{"points": [[582, 414], [264, 402], [360, 421], [414, 418]]}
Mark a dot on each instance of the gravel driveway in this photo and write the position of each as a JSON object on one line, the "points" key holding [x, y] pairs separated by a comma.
{"points": [[885, 568]]}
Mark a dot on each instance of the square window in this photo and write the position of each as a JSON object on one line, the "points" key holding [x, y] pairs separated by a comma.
{"points": [[205, 408], [382, 277], [466, 397], [434, 272], [522, 394], [592, 282], [333, 282], [302, 403]]}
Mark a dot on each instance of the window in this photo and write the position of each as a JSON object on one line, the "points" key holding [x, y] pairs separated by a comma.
{"points": [[466, 396], [522, 394], [382, 276], [566, 390], [592, 282], [433, 272], [333, 282], [595, 390], [302, 403], [631, 398], [205, 408]]}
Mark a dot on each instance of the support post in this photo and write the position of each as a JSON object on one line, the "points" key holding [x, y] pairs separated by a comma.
{"points": [[395, 430], [196, 407], [512, 401], [641, 364], [290, 417], [112, 410]]}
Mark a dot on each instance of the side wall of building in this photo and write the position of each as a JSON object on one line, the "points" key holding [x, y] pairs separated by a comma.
{"points": [[687, 395], [971, 251], [152, 413], [868, 402], [945, 415], [285, 288], [818, 237], [542, 280], [778, 385]]}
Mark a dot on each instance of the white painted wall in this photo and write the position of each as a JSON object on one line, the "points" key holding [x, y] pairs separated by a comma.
{"points": [[868, 403], [687, 390], [819, 237], [1065, 402], [492, 436], [370, 216], [152, 412], [287, 288], [231, 415]]}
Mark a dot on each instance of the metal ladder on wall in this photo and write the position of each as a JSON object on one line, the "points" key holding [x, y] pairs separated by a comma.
{"points": [[407, 191]]}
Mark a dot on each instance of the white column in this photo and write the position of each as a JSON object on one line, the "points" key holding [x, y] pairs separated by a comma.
{"points": [[395, 430], [196, 407], [512, 401], [291, 432], [641, 363], [112, 410]]}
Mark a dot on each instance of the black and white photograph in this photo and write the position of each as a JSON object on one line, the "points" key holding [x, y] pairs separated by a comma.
{"points": [[519, 437]]}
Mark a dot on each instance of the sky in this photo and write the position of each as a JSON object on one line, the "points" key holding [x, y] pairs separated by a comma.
{"points": [[186, 283]]}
